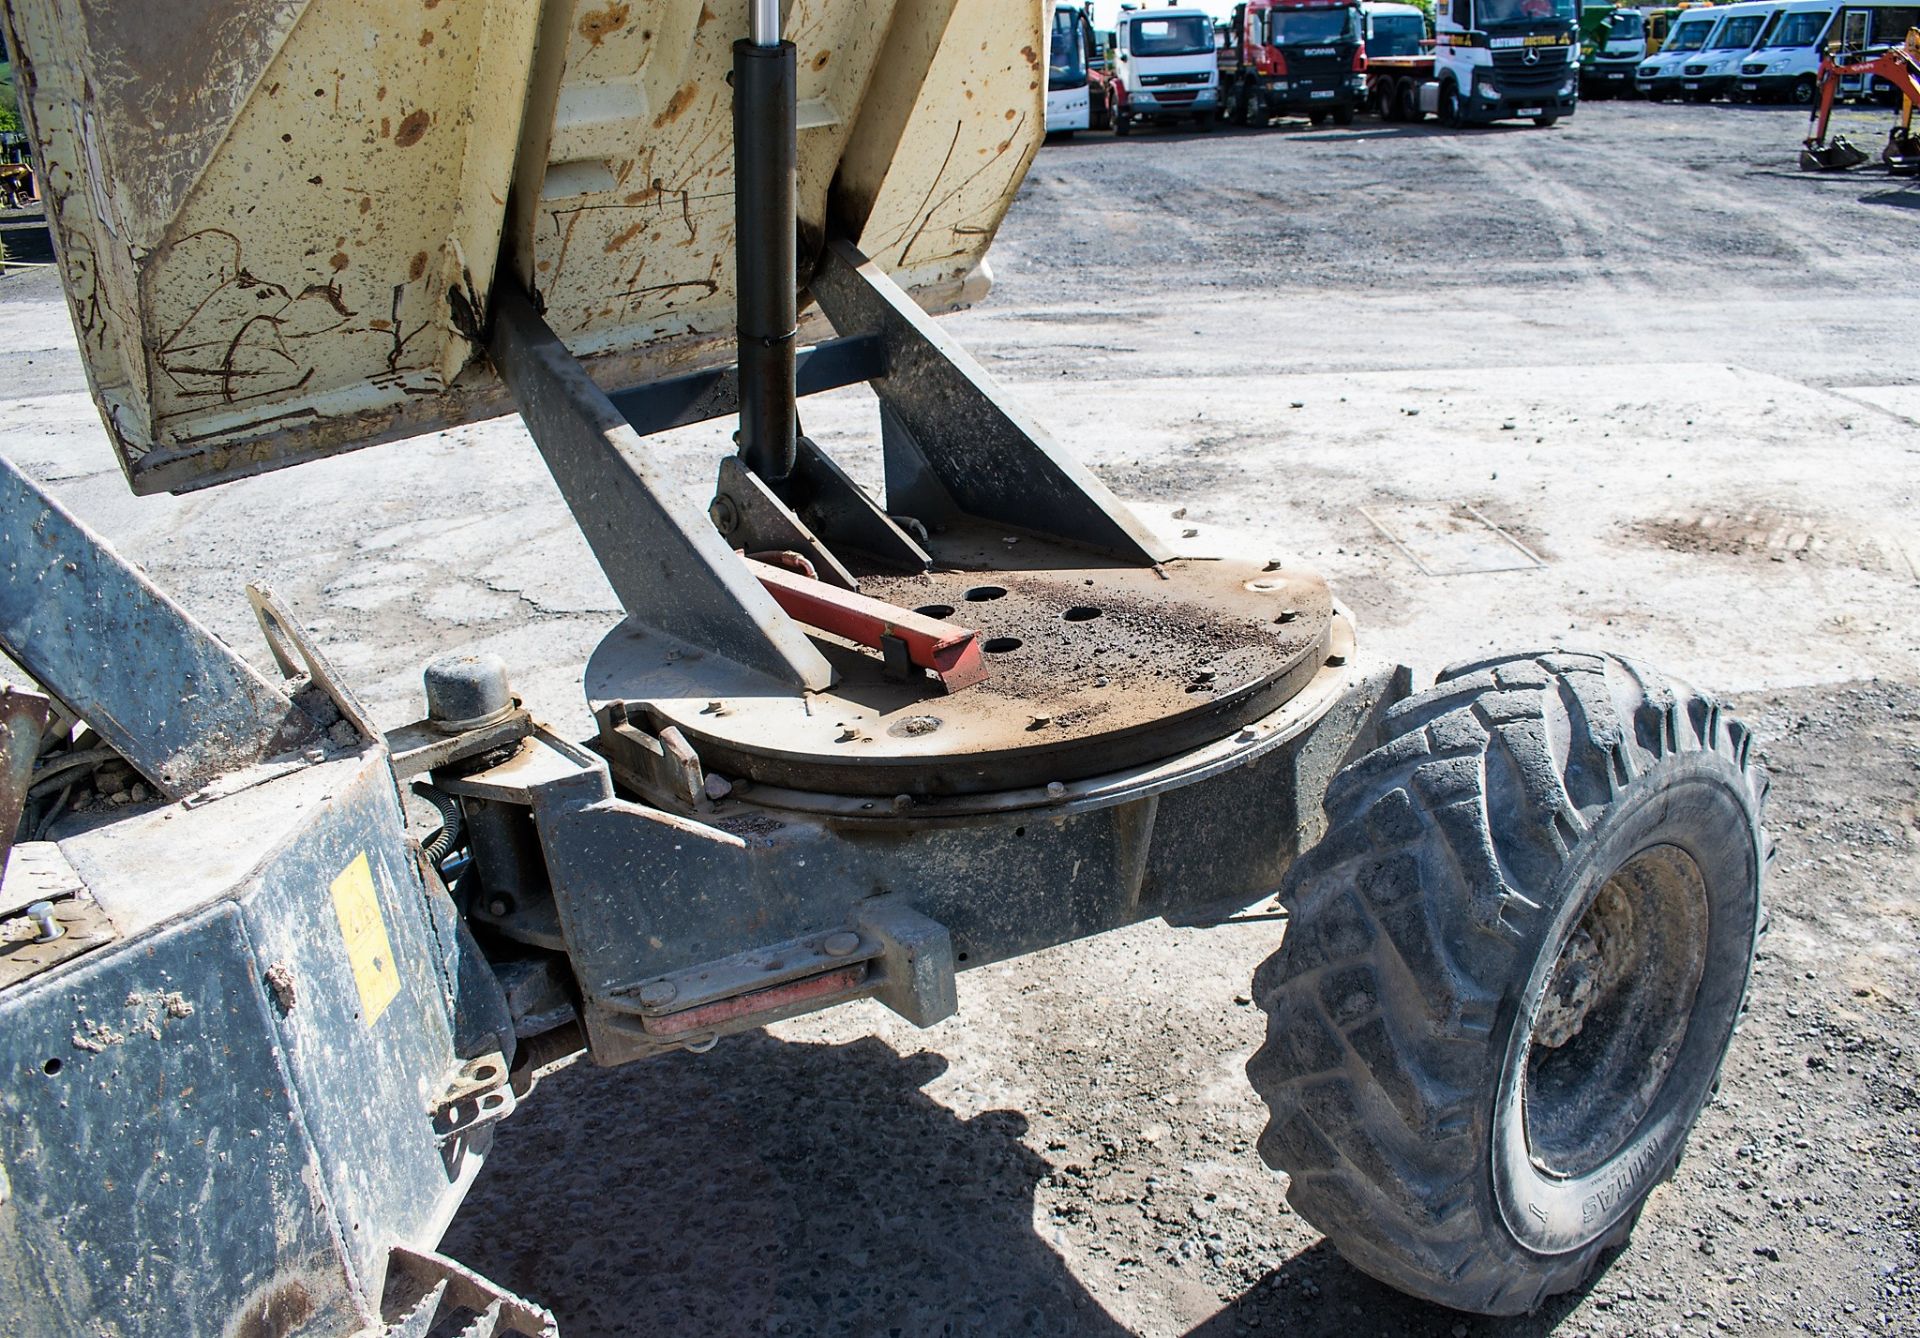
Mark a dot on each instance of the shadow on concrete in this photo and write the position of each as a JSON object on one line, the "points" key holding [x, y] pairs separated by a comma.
{"points": [[1318, 1294], [769, 1188]]}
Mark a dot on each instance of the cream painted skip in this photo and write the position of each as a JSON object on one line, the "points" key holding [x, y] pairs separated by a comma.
{"points": [[279, 221]]}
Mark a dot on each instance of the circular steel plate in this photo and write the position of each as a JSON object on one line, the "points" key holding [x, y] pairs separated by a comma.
{"points": [[1091, 668]]}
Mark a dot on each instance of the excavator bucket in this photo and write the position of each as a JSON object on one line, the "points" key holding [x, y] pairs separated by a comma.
{"points": [[1836, 155], [1902, 153]]}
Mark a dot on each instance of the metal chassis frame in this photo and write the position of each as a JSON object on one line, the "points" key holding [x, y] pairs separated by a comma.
{"points": [[616, 886]]}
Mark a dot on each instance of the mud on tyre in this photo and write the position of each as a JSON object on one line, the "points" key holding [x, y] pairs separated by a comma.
{"points": [[1511, 973]]}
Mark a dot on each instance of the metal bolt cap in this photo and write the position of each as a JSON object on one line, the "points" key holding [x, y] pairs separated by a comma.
{"points": [[467, 690], [50, 928], [657, 993], [840, 944]]}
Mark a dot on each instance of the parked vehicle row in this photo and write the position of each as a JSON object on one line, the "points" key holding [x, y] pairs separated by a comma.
{"points": [[1477, 62], [1770, 50]]}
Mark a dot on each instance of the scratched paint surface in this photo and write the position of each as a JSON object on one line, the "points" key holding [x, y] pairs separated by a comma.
{"points": [[278, 220]]}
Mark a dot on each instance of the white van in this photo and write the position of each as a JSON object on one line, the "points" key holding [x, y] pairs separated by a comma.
{"points": [[1659, 76], [1784, 66], [1715, 66]]}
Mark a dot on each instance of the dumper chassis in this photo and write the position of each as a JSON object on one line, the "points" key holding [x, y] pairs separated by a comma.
{"points": [[847, 745]]}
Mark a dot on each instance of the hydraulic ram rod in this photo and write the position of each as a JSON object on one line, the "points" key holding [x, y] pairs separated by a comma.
{"points": [[765, 167]]}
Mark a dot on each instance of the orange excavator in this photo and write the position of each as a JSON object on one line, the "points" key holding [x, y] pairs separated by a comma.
{"points": [[1899, 66]]}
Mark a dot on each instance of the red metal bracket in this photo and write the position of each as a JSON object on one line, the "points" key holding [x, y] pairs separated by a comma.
{"points": [[951, 654]]}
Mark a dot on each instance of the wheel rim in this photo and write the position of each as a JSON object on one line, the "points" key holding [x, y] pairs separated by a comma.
{"points": [[1607, 1031], [1563, 1180]]}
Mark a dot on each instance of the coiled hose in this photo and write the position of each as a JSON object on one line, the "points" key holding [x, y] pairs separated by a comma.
{"points": [[441, 843]]}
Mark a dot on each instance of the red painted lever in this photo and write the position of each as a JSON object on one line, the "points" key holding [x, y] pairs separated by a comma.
{"points": [[951, 654]]}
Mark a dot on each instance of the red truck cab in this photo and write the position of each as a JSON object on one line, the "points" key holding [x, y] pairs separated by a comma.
{"points": [[1294, 58]]}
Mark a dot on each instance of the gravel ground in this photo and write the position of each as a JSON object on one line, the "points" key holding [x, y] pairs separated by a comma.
{"points": [[1640, 344]]}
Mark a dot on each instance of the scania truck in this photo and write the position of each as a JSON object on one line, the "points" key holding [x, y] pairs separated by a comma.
{"points": [[1164, 68], [1294, 58]]}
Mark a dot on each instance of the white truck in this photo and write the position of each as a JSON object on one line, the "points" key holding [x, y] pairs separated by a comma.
{"points": [[1165, 69], [1501, 60]]}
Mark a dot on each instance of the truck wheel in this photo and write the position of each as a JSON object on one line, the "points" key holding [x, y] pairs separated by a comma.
{"points": [[1343, 116], [1317, 118], [1122, 124], [1410, 101], [1511, 974], [1544, 121], [1450, 107], [1806, 91], [1386, 100], [1204, 122]]}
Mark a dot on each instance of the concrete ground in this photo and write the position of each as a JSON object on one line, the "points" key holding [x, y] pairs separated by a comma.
{"points": [[1633, 382]]}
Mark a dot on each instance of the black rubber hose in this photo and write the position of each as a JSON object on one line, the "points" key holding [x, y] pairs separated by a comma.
{"points": [[46, 776], [441, 843]]}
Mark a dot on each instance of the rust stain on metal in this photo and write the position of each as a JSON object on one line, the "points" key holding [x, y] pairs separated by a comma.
{"points": [[717, 1014], [413, 126], [282, 1311], [596, 24], [625, 235], [677, 106]]}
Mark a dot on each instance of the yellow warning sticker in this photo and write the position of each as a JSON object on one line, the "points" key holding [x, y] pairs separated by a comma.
{"points": [[358, 907]]}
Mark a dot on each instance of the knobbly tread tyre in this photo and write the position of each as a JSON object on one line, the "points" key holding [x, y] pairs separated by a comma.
{"points": [[1416, 926]]}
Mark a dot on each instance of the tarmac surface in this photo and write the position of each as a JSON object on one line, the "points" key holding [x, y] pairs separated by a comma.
{"points": [[1631, 382]]}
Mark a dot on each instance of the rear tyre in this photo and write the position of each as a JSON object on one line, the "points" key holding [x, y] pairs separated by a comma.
{"points": [[1343, 116], [1410, 101], [1511, 974]]}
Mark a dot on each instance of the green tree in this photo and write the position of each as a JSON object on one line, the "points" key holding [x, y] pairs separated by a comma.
{"points": [[9, 107]]}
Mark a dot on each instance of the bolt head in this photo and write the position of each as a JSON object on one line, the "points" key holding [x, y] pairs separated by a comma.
{"points": [[657, 993], [841, 944]]}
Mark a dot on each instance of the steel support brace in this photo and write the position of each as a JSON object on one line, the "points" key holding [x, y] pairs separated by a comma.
{"points": [[698, 397], [954, 445], [92, 630], [669, 567]]}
